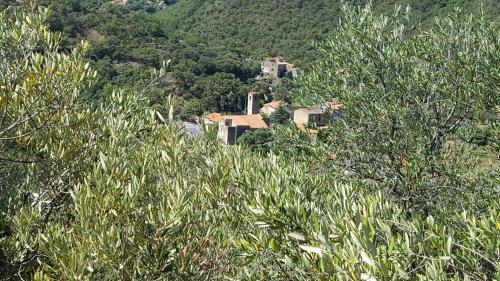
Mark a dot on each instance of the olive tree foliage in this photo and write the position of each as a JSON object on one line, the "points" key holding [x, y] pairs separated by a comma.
{"points": [[405, 93], [96, 171], [111, 193], [39, 108]]}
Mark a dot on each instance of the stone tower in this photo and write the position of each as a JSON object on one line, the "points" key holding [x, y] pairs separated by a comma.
{"points": [[253, 103]]}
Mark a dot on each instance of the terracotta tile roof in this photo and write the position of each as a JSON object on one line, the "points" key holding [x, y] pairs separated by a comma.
{"points": [[214, 117], [275, 104], [254, 121]]}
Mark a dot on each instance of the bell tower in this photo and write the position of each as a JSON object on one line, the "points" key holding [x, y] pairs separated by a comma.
{"points": [[253, 103]]}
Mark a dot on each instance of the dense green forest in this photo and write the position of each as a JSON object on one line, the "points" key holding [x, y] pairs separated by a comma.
{"points": [[99, 180], [215, 47]]}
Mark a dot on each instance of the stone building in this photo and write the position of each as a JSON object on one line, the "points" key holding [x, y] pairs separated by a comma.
{"points": [[278, 68], [271, 107], [233, 126], [317, 116], [253, 103], [304, 116]]}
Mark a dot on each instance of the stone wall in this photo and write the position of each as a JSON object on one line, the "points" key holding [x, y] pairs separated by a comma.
{"points": [[228, 133]]}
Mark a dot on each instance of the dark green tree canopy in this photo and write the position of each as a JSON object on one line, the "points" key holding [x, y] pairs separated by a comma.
{"points": [[257, 140], [204, 39], [280, 116]]}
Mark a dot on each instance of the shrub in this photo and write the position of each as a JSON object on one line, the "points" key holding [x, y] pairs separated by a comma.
{"points": [[280, 116], [256, 140]]}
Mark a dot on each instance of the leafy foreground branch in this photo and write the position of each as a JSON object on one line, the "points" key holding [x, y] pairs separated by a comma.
{"points": [[114, 194], [411, 99]]}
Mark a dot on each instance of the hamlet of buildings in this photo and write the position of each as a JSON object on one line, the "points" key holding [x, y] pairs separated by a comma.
{"points": [[231, 127]]}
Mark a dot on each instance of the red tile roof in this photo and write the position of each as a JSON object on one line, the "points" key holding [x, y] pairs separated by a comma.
{"points": [[275, 104], [214, 117], [253, 121]]}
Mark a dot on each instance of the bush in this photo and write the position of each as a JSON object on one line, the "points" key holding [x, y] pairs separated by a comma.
{"points": [[280, 116], [256, 140]]}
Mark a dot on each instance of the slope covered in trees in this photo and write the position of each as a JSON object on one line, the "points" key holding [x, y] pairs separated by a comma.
{"points": [[215, 46]]}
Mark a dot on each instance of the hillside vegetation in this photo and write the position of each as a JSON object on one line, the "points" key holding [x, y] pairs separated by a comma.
{"points": [[215, 47]]}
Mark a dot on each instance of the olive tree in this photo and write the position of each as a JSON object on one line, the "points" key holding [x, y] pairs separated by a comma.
{"points": [[405, 92], [39, 95]]}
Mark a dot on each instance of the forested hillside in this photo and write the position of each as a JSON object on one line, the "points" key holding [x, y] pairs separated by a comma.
{"points": [[215, 46]]}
